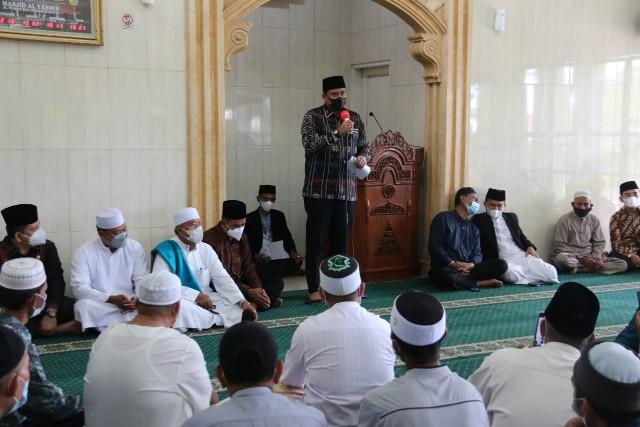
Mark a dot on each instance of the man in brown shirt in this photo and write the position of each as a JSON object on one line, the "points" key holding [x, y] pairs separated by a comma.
{"points": [[578, 241], [234, 251], [625, 226]]}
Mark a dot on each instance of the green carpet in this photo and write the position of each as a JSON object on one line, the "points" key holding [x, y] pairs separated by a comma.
{"points": [[478, 323]]}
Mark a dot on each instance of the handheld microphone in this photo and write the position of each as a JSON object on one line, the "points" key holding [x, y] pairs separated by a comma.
{"points": [[376, 119], [344, 115]]}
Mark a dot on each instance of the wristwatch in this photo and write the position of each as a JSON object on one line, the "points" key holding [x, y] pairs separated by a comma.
{"points": [[51, 312], [240, 303]]}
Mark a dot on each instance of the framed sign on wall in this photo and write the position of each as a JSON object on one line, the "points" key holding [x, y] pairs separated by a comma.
{"points": [[67, 21]]}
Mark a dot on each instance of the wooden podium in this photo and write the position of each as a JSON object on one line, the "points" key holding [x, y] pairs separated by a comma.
{"points": [[384, 236]]}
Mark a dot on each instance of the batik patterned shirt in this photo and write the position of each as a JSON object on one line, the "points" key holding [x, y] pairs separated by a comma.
{"points": [[327, 175], [625, 231]]}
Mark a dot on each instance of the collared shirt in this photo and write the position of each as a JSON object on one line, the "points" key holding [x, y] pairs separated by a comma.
{"points": [[338, 356], [506, 246], [207, 268], [46, 400], [258, 407], [235, 256], [452, 238], [424, 397], [528, 387], [97, 273], [578, 236], [48, 254], [144, 376], [326, 155], [625, 231], [267, 236]]}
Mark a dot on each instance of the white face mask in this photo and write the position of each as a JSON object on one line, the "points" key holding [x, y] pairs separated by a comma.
{"points": [[266, 206], [632, 202], [236, 233], [119, 240], [494, 213], [38, 238], [41, 307], [195, 235]]}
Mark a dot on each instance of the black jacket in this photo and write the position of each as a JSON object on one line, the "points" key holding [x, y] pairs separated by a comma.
{"points": [[488, 241], [279, 231]]}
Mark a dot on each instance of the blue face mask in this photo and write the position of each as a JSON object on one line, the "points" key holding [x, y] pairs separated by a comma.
{"points": [[473, 208], [25, 395]]}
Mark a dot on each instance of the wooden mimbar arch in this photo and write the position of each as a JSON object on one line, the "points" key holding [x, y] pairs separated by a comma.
{"points": [[215, 31]]}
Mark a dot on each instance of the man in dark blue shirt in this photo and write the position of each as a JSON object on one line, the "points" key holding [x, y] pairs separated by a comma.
{"points": [[454, 246]]}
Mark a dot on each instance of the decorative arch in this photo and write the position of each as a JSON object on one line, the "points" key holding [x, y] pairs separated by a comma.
{"points": [[425, 44], [215, 31]]}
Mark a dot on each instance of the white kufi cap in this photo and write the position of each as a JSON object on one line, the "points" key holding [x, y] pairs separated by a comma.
{"points": [[109, 218], [22, 274], [582, 193], [418, 318], [340, 275], [161, 288], [185, 215]]}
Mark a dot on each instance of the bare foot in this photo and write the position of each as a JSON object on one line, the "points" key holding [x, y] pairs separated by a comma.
{"points": [[71, 328], [491, 283], [314, 297]]}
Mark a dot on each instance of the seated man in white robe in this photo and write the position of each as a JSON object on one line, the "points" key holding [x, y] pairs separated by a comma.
{"points": [[502, 238], [428, 394], [209, 295], [104, 273], [143, 373], [337, 356]]}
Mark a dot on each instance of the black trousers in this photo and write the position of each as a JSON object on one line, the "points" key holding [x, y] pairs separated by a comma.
{"points": [[449, 278], [271, 274], [326, 220], [630, 266], [74, 420]]}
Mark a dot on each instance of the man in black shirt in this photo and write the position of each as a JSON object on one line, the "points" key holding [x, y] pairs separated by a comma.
{"points": [[25, 238]]}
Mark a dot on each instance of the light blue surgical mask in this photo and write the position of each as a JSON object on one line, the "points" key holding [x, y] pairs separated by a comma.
{"points": [[119, 240], [38, 309], [473, 208], [25, 396]]}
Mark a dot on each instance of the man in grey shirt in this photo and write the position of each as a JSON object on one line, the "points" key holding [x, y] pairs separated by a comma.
{"points": [[429, 394], [249, 368], [578, 241]]}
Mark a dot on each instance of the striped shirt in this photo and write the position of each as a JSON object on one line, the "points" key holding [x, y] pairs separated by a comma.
{"points": [[327, 153]]}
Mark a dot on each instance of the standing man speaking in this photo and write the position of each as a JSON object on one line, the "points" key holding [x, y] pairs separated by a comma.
{"points": [[331, 136]]}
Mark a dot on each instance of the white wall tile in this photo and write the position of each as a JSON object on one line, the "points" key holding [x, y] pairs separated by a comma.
{"points": [[129, 109], [47, 186], [12, 178], [41, 53], [126, 47], [44, 93], [166, 36], [168, 185], [167, 107], [9, 51], [85, 56], [90, 181], [88, 115], [275, 57], [131, 185], [11, 113]]}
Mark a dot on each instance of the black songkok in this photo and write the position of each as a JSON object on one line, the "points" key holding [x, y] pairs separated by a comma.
{"points": [[248, 353], [333, 82], [573, 310], [497, 195], [12, 350], [17, 215], [267, 189], [234, 209], [626, 186]]}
